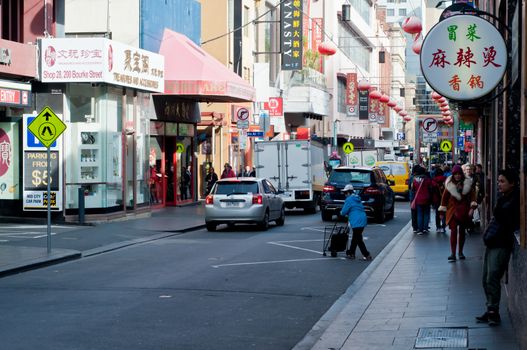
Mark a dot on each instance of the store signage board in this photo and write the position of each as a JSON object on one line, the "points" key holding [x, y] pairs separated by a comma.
{"points": [[463, 57], [101, 60], [291, 34]]}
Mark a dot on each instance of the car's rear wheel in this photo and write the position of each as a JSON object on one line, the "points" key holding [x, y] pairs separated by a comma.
{"points": [[210, 226], [391, 213], [326, 216], [281, 220], [264, 225], [381, 215]]}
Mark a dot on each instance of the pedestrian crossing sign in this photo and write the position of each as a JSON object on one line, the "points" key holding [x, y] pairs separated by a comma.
{"points": [[47, 127]]}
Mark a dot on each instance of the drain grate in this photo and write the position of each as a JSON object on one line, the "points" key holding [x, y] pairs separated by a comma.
{"points": [[442, 337]]}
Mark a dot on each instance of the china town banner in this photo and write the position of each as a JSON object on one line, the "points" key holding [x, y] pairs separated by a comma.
{"points": [[9, 163], [291, 34], [463, 57], [68, 60], [351, 94]]}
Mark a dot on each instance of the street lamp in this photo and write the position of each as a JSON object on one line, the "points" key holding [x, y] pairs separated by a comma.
{"points": [[335, 133]]}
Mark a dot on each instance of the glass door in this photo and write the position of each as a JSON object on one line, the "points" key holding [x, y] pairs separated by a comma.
{"points": [[155, 181], [185, 172], [170, 156]]}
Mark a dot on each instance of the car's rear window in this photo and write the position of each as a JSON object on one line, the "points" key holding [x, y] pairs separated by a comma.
{"points": [[393, 169], [346, 176], [237, 187]]}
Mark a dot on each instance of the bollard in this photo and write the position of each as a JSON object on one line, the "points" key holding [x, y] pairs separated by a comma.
{"points": [[81, 205]]}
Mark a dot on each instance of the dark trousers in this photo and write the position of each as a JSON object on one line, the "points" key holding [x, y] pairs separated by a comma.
{"points": [[356, 240], [455, 229], [495, 264], [414, 219]]}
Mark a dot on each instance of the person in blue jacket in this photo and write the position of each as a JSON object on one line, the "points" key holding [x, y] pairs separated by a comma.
{"points": [[357, 220]]}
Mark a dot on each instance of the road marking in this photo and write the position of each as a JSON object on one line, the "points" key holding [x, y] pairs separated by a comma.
{"points": [[273, 262], [312, 229], [293, 247]]}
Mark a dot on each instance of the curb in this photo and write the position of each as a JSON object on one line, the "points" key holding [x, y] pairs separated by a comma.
{"points": [[317, 335], [36, 263]]}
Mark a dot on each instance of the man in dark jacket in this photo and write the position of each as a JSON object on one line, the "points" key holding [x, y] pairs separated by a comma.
{"points": [[499, 241]]}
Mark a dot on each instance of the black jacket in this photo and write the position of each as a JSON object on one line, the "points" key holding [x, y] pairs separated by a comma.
{"points": [[500, 234]]}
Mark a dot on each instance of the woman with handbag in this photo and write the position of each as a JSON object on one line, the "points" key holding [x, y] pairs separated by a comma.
{"points": [[458, 202], [499, 242]]}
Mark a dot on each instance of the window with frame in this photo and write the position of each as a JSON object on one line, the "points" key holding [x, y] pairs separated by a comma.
{"points": [[363, 7], [356, 49], [402, 12], [390, 12]]}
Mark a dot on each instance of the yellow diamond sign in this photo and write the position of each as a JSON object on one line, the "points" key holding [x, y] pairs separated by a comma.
{"points": [[47, 127]]}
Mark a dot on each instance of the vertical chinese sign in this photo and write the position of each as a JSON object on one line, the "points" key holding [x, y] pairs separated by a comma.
{"points": [[351, 94], [291, 32], [9, 162], [463, 57], [363, 104]]}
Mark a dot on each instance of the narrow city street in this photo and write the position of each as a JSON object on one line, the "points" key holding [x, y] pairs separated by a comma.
{"points": [[237, 288]]}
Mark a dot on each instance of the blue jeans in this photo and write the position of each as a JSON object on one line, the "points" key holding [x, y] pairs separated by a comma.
{"points": [[423, 216]]}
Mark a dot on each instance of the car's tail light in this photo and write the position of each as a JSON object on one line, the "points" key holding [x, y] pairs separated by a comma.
{"points": [[371, 191], [328, 189], [257, 199], [209, 199]]}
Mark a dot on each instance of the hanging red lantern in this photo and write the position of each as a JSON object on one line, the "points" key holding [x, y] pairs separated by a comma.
{"points": [[444, 109], [391, 103], [444, 104], [412, 25], [446, 113], [403, 113], [407, 119], [416, 46], [384, 98], [441, 100], [397, 109], [363, 85], [375, 95], [436, 96], [327, 48]]}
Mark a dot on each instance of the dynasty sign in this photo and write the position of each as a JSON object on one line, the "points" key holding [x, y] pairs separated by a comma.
{"points": [[463, 57]]}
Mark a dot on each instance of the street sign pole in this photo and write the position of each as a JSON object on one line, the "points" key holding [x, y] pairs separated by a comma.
{"points": [[49, 202]]}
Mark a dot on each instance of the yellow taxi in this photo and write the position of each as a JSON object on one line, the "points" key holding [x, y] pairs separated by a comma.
{"points": [[399, 172]]}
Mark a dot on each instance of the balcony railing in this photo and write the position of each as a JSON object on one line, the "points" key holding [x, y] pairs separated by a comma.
{"points": [[307, 77]]}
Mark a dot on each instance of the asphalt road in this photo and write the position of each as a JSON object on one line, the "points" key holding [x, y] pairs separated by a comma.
{"points": [[235, 288]]}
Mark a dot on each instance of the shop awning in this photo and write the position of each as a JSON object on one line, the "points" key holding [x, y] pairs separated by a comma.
{"points": [[192, 73]]}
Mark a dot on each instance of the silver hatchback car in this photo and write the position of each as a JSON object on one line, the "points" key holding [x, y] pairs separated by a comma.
{"points": [[243, 200]]}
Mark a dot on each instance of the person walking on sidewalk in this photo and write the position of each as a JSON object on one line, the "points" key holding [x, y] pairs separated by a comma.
{"points": [[227, 171], [499, 242], [423, 188], [458, 202], [439, 187], [357, 221]]}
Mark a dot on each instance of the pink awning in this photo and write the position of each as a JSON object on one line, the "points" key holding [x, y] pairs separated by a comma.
{"points": [[190, 72]]}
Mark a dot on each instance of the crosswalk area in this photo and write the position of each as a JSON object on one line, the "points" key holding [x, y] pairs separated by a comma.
{"points": [[12, 232]]}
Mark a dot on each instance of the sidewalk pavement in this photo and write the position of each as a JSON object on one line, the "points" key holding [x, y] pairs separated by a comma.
{"points": [[85, 241], [409, 296]]}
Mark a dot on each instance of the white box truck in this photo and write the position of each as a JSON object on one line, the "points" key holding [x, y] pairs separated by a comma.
{"points": [[295, 167]]}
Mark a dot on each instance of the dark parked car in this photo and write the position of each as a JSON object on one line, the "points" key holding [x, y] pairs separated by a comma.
{"points": [[369, 183]]}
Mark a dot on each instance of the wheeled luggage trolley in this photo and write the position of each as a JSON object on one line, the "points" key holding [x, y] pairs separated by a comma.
{"points": [[335, 239]]}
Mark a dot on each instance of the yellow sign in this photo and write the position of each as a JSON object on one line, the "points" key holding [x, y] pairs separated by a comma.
{"points": [[348, 147], [47, 127], [446, 146], [180, 148]]}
